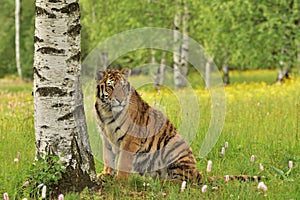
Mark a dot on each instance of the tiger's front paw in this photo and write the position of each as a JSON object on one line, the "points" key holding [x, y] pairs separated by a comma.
{"points": [[103, 177], [107, 172]]}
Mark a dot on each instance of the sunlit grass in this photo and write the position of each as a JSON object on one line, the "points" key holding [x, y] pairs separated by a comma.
{"points": [[262, 119]]}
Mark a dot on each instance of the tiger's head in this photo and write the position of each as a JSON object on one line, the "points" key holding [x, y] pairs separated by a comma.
{"points": [[113, 89]]}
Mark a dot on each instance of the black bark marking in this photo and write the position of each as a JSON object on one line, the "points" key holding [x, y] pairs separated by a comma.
{"points": [[54, 1], [57, 105], [75, 57], [70, 9], [65, 117], [42, 12], [50, 92], [44, 126], [37, 39], [50, 50], [74, 30], [35, 71], [75, 179]]}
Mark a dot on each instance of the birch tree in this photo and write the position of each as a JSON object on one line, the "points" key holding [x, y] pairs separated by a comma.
{"points": [[180, 55], [17, 37], [60, 125]]}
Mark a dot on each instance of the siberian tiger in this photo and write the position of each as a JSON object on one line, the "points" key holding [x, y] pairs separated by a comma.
{"points": [[143, 138]]}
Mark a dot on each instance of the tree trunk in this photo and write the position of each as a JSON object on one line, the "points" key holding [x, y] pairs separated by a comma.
{"points": [[162, 69], [225, 70], [207, 72], [104, 60], [156, 68], [177, 50], [17, 38], [283, 69], [60, 125], [283, 73], [184, 47], [181, 50]]}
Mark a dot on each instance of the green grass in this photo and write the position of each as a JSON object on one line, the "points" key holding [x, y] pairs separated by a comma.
{"points": [[261, 120]]}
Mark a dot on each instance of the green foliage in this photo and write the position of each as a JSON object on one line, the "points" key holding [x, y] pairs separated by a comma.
{"points": [[249, 34], [45, 171], [7, 34]]}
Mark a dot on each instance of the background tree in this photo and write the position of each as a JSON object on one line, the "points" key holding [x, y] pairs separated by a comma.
{"points": [[17, 37], [60, 125]]}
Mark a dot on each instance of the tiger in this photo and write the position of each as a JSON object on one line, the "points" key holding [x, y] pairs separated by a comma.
{"points": [[143, 138], [138, 138]]}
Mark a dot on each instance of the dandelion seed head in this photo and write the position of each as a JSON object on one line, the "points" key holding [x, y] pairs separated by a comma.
{"points": [[209, 164], [290, 164], [5, 196], [262, 186], [261, 167], [61, 197], [226, 145], [223, 151], [226, 178], [25, 183], [204, 188], [44, 190]]}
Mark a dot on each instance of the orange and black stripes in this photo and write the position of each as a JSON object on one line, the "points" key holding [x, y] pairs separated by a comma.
{"points": [[126, 121]]}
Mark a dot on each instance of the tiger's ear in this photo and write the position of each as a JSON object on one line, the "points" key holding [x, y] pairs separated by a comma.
{"points": [[99, 75], [126, 72]]}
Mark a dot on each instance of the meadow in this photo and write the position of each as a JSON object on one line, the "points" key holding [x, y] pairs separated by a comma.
{"points": [[262, 119]]}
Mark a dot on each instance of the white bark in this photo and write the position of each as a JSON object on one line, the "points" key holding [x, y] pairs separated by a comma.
{"points": [[207, 72], [156, 68], [58, 103], [17, 37], [177, 50], [181, 49], [162, 69], [185, 46], [104, 59]]}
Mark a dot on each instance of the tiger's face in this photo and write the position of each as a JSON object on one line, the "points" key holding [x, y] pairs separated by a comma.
{"points": [[113, 89]]}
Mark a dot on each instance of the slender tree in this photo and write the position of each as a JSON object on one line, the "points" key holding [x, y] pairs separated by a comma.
{"points": [[60, 126], [17, 37], [181, 47]]}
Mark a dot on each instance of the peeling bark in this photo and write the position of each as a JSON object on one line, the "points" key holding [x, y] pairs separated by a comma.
{"points": [[58, 101]]}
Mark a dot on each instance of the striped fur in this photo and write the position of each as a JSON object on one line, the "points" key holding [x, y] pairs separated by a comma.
{"points": [[136, 137], [139, 139]]}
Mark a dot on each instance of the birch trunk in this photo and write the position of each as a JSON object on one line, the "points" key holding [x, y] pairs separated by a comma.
{"points": [[162, 69], [207, 72], [104, 59], [181, 49], [17, 38], [283, 69], [156, 68], [177, 50], [184, 47], [60, 125]]}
